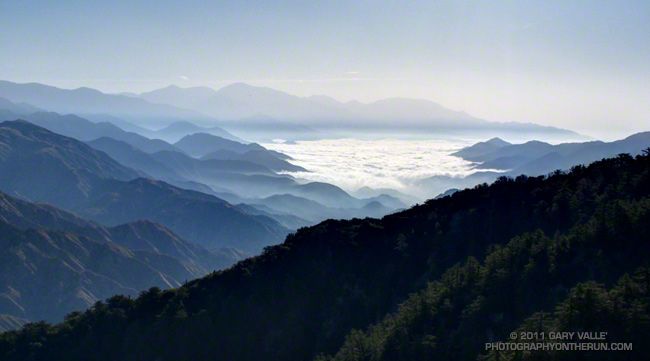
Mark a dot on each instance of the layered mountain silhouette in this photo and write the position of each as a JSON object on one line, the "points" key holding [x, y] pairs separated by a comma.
{"points": [[198, 217], [240, 101], [317, 212], [133, 157], [86, 100], [43, 166], [180, 129], [200, 144], [437, 281], [21, 108], [495, 158], [209, 170], [142, 235], [82, 129], [271, 111], [262, 157], [535, 157], [82, 270], [90, 183], [42, 242], [480, 148], [252, 104], [248, 169], [368, 192]]}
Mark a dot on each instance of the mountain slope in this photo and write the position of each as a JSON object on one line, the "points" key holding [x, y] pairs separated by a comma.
{"points": [[534, 157], [200, 144], [481, 148], [198, 217], [207, 170], [30, 154], [139, 235], [261, 157], [539, 236], [89, 183], [82, 129], [82, 270], [180, 129], [316, 212], [133, 157], [152, 249]]}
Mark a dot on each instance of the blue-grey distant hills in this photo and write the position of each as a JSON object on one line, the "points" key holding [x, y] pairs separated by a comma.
{"points": [[91, 262], [253, 104], [211, 147], [87, 100], [535, 157], [18, 108], [262, 112], [228, 169], [82, 129], [179, 129], [41, 166], [496, 157], [241, 101], [223, 177]]}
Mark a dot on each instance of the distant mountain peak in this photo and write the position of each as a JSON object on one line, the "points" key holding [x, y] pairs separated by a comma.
{"points": [[183, 125], [88, 90], [497, 142], [241, 85]]}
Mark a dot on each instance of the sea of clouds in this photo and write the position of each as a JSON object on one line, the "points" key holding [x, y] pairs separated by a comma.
{"points": [[397, 164]]}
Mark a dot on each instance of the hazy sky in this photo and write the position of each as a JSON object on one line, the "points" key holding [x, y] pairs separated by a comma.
{"points": [[584, 65]]}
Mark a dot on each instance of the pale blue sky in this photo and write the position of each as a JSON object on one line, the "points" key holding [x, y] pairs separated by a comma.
{"points": [[578, 64]]}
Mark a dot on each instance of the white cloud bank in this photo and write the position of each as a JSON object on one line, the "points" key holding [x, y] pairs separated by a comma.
{"points": [[398, 164]]}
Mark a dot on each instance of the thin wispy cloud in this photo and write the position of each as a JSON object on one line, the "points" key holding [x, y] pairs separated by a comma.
{"points": [[183, 77]]}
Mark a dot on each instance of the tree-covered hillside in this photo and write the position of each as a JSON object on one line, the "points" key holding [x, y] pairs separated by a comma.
{"points": [[437, 281]]}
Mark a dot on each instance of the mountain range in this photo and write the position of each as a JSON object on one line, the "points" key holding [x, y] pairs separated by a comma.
{"points": [[258, 105], [496, 158], [241, 101], [41, 242], [226, 168], [562, 253], [535, 157], [255, 111], [90, 183], [89, 211], [87, 100]]}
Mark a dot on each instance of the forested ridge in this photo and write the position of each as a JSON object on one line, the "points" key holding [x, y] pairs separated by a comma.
{"points": [[565, 252]]}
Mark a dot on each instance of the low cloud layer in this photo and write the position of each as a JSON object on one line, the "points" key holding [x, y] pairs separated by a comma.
{"points": [[352, 164]]}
